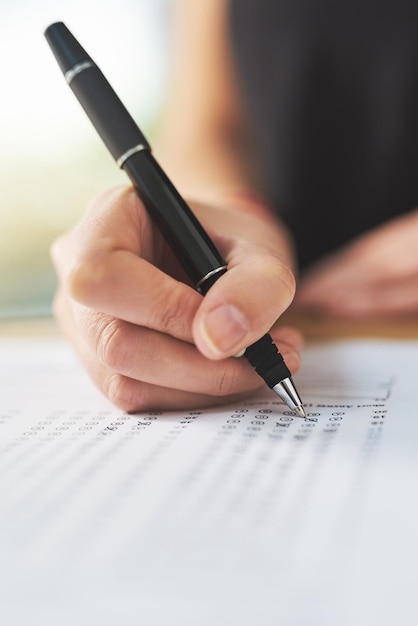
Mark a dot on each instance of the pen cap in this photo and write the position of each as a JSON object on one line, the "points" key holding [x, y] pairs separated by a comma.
{"points": [[109, 116], [65, 47]]}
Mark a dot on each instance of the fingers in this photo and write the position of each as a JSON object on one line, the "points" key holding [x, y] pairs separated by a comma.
{"points": [[366, 300], [121, 284], [101, 266], [376, 274], [138, 369], [143, 335], [109, 273], [243, 304]]}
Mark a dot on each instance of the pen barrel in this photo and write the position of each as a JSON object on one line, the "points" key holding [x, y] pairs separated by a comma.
{"points": [[107, 113], [183, 232]]}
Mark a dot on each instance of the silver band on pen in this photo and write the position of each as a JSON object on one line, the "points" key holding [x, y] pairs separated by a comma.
{"points": [[77, 69], [120, 161], [222, 268]]}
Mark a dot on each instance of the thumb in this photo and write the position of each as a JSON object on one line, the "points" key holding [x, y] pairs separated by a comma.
{"points": [[243, 305]]}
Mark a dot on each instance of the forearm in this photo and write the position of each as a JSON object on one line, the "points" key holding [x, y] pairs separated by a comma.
{"points": [[204, 140]]}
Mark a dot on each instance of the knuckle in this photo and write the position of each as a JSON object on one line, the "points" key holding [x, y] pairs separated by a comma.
{"points": [[287, 278], [169, 319], [81, 281], [111, 344], [175, 312], [225, 378], [87, 278], [276, 277], [120, 391], [130, 395]]}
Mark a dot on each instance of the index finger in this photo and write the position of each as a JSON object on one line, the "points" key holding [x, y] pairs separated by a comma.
{"points": [[106, 263]]}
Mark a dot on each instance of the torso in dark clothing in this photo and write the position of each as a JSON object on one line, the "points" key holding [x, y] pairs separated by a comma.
{"points": [[332, 92]]}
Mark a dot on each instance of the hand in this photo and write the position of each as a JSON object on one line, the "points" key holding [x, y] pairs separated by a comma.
{"points": [[147, 338], [377, 274]]}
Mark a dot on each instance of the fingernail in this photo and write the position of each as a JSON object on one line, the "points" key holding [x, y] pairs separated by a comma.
{"points": [[223, 329], [239, 354]]}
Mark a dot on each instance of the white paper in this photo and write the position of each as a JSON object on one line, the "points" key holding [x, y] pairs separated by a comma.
{"points": [[242, 515]]}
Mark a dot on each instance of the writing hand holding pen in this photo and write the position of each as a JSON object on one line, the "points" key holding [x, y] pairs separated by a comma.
{"points": [[220, 325], [149, 340]]}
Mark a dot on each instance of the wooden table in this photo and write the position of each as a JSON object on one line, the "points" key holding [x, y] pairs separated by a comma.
{"points": [[317, 328], [314, 328]]}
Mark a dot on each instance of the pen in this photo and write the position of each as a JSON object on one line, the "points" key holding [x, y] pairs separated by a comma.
{"points": [[181, 229]]}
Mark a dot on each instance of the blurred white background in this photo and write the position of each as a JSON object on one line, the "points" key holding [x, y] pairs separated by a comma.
{"points": [[52, 161]]}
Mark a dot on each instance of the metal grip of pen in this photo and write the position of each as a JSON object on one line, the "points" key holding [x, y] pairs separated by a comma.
{"points": [[267, 361]]}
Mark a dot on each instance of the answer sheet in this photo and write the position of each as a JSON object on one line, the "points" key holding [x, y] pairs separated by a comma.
{"points": [[241, 515]]}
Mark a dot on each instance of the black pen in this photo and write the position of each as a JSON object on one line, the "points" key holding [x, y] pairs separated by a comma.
{"points": [[185, 235]]}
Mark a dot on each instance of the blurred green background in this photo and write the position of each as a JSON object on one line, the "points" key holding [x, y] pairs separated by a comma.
{"points": [[52, 162]]}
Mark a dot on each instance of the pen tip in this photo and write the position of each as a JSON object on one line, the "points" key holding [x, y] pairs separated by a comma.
{"points": [[287, 392], [300, 411]]}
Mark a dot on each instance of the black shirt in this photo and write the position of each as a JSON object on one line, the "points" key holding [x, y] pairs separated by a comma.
{"points": [[332, 92]]}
